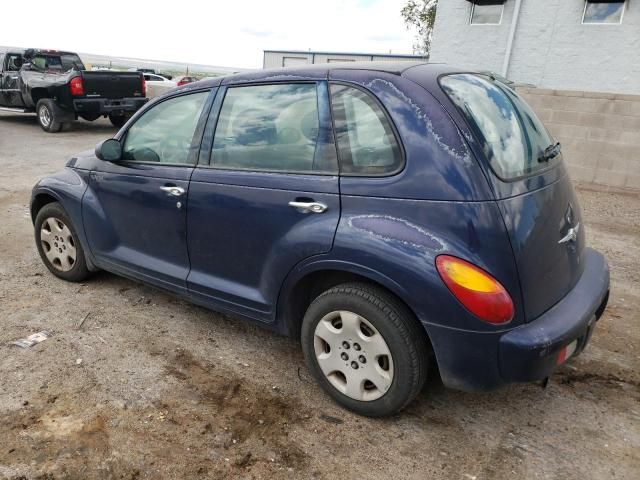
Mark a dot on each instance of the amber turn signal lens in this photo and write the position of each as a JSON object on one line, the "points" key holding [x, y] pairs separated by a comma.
{"points": [[478, 291]]}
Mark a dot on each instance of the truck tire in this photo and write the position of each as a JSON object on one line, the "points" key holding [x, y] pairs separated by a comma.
{"points": [[48, 115], [90, 117], [118, 120]]}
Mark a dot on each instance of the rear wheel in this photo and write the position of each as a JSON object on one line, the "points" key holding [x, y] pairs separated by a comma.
{"points": [[58, 244], [90, 117], [47, 113], [117, 120], [365, 349]]}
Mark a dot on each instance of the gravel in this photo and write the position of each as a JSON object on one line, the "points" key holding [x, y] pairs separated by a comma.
{"points": [[153, 387]]}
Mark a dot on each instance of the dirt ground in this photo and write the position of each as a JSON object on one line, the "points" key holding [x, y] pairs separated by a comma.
{"points": [[152, 387]]}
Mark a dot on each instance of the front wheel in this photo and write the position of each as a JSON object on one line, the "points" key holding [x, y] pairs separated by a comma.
{"points": [[58, 244], [48, 116], [365, 348]]}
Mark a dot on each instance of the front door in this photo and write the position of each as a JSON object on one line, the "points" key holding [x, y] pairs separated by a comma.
{"points": [[134, 211], [10, 95], [266, 198]]}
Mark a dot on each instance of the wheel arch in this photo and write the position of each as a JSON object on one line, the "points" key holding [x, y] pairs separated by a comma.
{"points": [[307, 282], [40, 200], [38, 94]]}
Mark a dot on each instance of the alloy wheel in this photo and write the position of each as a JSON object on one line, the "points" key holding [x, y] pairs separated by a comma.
{"points": [[45, 116]]}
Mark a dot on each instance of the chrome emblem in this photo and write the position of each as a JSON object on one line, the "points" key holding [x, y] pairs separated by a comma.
{"points": [[572, 234]]}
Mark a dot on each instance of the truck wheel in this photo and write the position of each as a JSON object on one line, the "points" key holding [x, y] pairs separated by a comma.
{"points": [[90, 117], [117, 120], [48, 115], [58, 244], [365, 349]]}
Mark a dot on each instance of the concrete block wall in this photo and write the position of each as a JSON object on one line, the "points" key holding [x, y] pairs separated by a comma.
{"points": [[599, 132]]}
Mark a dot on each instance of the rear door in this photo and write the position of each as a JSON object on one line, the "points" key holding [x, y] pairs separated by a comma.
{"points": [[134, 211], [265, 196], [531, 185]]}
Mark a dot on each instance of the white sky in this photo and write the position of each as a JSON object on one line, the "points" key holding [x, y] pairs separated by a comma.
{"points": [[224, 33]]}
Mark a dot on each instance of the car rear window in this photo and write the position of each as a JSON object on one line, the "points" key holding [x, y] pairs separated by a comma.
{"points": [[513, 137]]}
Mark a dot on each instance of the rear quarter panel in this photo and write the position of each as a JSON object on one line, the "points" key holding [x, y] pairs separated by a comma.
{"points": [[400, 239]]}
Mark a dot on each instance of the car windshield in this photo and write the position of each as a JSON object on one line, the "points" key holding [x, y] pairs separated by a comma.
{"points": [[514, 139]]}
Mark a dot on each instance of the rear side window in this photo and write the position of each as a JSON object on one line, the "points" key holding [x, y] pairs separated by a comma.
{"points": [[270, 128], [364, 135], [514, 138]]}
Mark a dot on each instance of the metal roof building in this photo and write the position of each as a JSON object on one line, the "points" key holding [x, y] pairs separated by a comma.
{"points": [[288, 58]]}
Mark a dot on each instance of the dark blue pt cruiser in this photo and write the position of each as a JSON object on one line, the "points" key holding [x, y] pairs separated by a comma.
{"points": [[392, 216]]}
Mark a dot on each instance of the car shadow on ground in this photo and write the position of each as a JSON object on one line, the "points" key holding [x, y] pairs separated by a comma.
{"points": [[79, 125]]}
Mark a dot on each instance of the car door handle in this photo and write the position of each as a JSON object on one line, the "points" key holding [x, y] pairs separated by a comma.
{"points": [[173, 191], [313, 207]]}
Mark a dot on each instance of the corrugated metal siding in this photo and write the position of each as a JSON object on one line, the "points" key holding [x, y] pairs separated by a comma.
{"points": [[282, 59], [324, 58]]}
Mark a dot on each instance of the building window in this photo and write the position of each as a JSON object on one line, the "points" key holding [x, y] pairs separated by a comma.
{"points": [[603, 12], [486, 12]]}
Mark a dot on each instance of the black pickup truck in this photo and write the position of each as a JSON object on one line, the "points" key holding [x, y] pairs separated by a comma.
{"points": [[57, 87]]}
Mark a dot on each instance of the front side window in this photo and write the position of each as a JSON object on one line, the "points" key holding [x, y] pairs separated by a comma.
{"points": [[603, 12], [364, 135], [514, 139], [164, 133], [487, 13], [269, 127]]}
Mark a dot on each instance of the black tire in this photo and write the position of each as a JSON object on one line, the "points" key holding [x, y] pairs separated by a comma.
{"points": [[90, 117], [117, 120], [48, 115], [78, 270], [404, 336]]}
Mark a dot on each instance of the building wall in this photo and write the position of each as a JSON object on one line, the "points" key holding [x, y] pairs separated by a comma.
{"points": [[600, 133], [276, 59], [552, 48]]}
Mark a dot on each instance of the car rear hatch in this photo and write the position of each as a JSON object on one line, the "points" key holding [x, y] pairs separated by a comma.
{"points": [[112, 85], [535, 195]]}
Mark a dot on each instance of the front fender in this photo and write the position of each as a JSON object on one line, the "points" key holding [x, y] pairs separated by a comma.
{"points": [[66, 187]]}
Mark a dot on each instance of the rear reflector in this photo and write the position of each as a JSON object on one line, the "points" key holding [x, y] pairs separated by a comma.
{"points": [[566, 352], [76, 85], [478, 291]]}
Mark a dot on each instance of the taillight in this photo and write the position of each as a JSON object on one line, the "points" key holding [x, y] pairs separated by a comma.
{"points": [[76, 85], [478, 291], [144, 87]]}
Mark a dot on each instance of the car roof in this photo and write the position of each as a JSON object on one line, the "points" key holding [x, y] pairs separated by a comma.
{"points": [[315, 71]]}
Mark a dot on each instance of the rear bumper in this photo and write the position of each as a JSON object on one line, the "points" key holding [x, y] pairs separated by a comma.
{"points": [[529, 352], [119, 106], [475, 361]]}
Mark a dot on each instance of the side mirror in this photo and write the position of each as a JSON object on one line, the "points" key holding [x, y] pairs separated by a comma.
{"points": [[109, 150]]}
